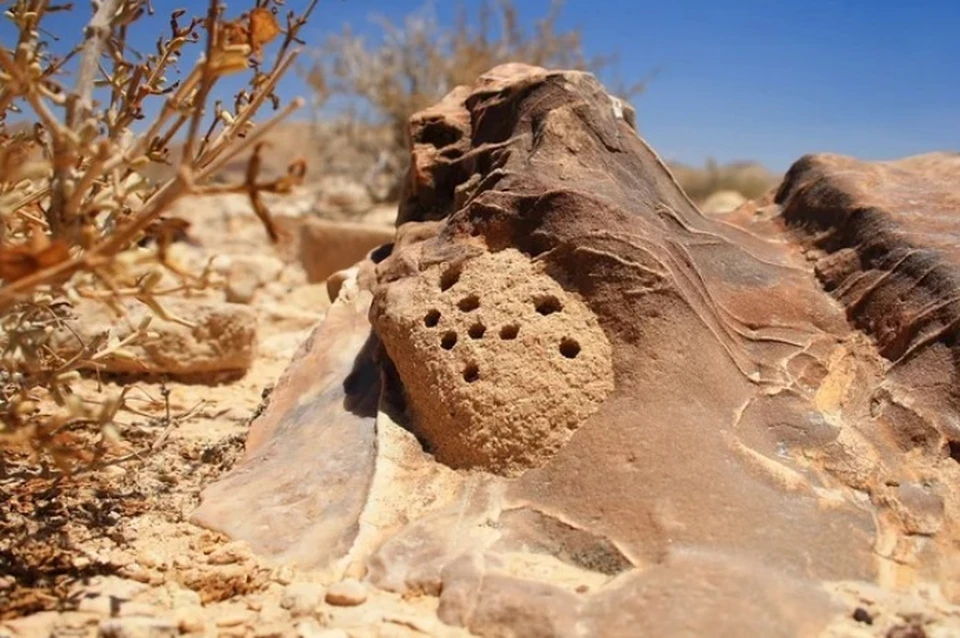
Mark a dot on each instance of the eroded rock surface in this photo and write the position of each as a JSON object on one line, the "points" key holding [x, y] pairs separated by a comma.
{"points": [[500, 364], [725, 440]]}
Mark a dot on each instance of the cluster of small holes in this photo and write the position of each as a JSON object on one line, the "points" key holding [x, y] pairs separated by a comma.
{"points": [[545, 305]]}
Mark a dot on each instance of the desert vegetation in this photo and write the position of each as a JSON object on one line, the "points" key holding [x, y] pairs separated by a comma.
{"points": [[747, 178], [416, 62], [78, 219]]}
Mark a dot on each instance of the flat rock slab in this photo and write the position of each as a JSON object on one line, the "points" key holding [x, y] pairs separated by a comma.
{"points": [[328, 246], [304, 480], [753, 444]]}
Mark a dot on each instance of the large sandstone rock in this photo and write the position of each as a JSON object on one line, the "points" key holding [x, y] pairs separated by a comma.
{"points": [[885, 242], [680, 432]]}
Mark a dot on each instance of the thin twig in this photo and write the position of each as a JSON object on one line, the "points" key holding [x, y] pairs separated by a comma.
{"points": [[97, 32]]}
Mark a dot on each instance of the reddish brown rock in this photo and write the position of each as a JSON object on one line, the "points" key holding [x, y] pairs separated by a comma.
{"points": [[751, 445], [886, 244]]}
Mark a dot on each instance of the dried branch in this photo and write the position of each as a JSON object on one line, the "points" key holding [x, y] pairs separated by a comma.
{"points": [[80, 102], [75, 204]]}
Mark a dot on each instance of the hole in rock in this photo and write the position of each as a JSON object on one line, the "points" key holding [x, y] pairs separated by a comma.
{"points": [[548, 305], [953, 449], [438, 134], [448, 340], [509, 331], [449, 278], [381, 253], [477, 331], [432, 318], [471, 373], [451, 153], [861, 615], [469, 303], [569, 348]]}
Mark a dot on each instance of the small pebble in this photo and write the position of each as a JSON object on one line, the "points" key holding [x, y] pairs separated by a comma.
{"points": [[283, 575], [347, 593], [139, 574], [275, 630], [149, 558], [229, 554], [310, 629], [137, 627], [235, 618], [302, 599], [190, 620]]}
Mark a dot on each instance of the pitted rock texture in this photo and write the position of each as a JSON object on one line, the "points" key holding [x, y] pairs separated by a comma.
{"points": [[501, 365]]}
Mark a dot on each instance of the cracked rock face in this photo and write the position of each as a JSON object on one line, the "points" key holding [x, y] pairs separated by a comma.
{"points": [[567, 403]]}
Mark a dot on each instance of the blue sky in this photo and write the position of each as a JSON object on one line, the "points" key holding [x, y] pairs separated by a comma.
{"points": [[739, 80]]}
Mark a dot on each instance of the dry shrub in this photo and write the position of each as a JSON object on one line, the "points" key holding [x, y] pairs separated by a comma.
{"points": [[747, 178], [78, 218], [419, 61]]}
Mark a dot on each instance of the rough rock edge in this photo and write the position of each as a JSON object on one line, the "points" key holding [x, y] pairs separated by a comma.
{"points": [[896, 289]]}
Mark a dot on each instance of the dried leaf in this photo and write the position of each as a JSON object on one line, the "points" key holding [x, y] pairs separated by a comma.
{"points": [[263, 28], [232, 59], [234, 33], [22, 260]]}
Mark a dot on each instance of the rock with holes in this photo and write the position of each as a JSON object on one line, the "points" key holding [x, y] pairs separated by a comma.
{"points": [[601, 412], [503, 364]]}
